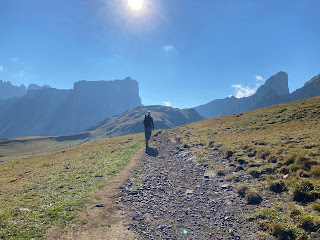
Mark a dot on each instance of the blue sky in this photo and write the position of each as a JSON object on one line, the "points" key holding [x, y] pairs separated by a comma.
{"points": [[184, 52]]}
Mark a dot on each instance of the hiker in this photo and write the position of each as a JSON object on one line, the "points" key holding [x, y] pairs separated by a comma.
{"points": [[148, 127]]}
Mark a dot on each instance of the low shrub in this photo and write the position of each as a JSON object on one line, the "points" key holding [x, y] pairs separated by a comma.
{"points": [[315, 171], [278, 186], [253, 197], [289, 159], [282, 232], [309, 223], [305, 162], [254, 172], [228, 154], [272, 159], [242, 190], [303, 192], [316, 206]]}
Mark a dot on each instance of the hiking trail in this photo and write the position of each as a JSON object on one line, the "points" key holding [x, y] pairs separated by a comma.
{"points": [[164, 194]]}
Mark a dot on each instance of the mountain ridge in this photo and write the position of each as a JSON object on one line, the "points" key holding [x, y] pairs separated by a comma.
{"points": [[274, 91], [51, 112]]}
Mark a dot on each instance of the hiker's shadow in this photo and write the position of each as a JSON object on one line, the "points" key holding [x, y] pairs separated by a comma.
{"points": [[152, 151]]}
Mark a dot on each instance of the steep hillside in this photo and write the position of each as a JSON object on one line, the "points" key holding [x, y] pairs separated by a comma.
{"points": [[272, 156], [274, 91], [52, 112], [132, 120]]}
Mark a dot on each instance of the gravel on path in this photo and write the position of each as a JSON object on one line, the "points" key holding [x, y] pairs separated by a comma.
{"points": [[173, 197]]}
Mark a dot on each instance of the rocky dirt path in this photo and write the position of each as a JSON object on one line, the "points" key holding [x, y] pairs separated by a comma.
{"points": [[173, 197], [103, 220], [164, 194]]}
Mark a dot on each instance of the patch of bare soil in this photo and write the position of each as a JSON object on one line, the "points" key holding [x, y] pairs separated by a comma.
{"points": [[103, 219]]}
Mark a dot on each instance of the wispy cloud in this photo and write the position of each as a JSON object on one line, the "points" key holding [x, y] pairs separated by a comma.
{"points": [[243, 91], [168, 48], [21, 73], [168, 104], [259, 78], [17, 61], [1, 68]]}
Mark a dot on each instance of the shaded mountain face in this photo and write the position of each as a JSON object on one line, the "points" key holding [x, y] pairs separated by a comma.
{"points": [[132, 121], [51, 112], [310, 89], [274, 91], [7, 90]]}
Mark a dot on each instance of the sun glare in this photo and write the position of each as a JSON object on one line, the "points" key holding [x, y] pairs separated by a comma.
{"points": [[135, 4]]}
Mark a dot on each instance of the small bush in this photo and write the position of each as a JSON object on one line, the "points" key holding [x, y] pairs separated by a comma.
{"points": [[316, 206], [253, 197], [278, 186], [303, 192], [229, 154], [254, 172], [309, 223], [264, 154], [315, 171], [294, 213], [305, 162], [272, 159], [282, 232], [221, 172], [289, 159], [242, 190]]}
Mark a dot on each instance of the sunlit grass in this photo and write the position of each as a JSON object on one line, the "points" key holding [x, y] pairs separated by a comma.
{"points": [[263, 147], [44, 190]]}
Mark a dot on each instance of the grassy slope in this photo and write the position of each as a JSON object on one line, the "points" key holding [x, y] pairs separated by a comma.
{"points": [[277, 146], [44, 190]]}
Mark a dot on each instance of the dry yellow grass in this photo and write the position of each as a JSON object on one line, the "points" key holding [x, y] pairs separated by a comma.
{"points": [[278, 142]]}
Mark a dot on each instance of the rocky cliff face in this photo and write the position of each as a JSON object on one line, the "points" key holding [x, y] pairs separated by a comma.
{"points": [[7, 90], [310, 89], [274, 91], [50, 112]]}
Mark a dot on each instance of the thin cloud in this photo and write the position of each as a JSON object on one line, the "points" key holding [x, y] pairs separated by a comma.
{"points": [[1, 68], [259, 78], [168, 104], [243, 91], [17, 61], [21, 73], [168, 48]]}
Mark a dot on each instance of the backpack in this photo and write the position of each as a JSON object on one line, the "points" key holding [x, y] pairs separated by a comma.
{"points": [[147, 121]]}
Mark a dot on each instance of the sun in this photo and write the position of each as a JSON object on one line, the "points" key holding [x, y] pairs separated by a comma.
{"points": [[135, 4]]}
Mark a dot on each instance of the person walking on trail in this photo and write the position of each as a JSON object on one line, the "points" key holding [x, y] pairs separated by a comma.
{"points": [[148, 127]]}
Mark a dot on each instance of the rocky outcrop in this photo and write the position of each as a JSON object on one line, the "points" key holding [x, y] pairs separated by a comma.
{"points": [[132, 121], [51, 112], [274, 91], [310, 89], [7, 90]]}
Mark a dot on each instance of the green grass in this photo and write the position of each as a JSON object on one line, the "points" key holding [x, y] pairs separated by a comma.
{"points": [[48, 189], [273, 150]]}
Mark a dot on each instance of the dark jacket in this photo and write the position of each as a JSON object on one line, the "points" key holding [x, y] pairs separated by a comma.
{"points": [[148, 122]]}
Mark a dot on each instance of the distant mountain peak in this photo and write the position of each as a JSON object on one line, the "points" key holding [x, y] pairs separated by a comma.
{"points": [[274, 91], [313, 80], [277, 82]]}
